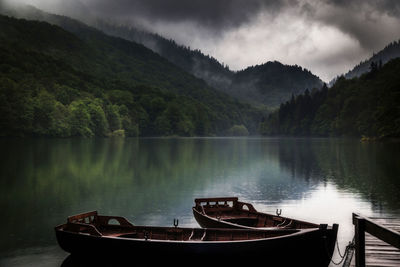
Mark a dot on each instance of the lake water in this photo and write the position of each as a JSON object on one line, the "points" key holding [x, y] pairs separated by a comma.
{"points": [[152, 181]]}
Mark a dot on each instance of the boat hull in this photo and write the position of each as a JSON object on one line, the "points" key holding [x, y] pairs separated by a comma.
{"points": [[307, 247], [217, 213]]}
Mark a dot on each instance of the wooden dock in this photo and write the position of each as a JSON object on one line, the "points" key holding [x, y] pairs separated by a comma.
{"points": [[377, 242]]}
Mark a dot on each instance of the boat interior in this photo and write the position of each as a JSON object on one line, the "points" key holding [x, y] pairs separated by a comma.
{"points": [[229, 209], [114, 226]]}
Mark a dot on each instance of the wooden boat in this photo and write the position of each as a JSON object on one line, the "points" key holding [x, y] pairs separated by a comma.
{"points": [[91, 234], [229, 212]]}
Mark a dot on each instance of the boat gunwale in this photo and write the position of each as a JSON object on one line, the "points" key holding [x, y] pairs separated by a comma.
{"points": [[251, 210], [234, 225], [294, 233]]}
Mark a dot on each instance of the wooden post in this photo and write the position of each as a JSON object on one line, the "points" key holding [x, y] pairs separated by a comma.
{"points": [[359, 224]]}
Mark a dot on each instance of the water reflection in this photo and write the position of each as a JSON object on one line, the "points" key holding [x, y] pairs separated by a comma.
{"points": [[152, 181], [369, 169]]}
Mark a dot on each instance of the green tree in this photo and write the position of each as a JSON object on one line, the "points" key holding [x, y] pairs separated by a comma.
{"points": [[44, 104], [60, 126], [238, 130], [185, 126], [113, 117], [131, 128], [80, 119], [98, 122], [65, 94], [163, 126]]}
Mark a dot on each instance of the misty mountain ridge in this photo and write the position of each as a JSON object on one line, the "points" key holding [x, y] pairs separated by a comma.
{"points": [[75, 80], [193, 61], [268, 84], [272, 83], [391, 51]]}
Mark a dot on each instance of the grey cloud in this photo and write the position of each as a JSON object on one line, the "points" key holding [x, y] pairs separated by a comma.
{"points": [[391, 7], [213, 14], [372, 23], [353, 17], [258, 29]]}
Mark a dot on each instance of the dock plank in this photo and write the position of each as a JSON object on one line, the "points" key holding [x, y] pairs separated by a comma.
{"points": [[377, 252]]}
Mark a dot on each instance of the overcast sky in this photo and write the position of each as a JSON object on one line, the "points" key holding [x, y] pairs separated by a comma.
{"points": [[327, 37]]}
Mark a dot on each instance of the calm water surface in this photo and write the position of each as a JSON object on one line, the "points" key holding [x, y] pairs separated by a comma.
{"points": [[152, 181]]}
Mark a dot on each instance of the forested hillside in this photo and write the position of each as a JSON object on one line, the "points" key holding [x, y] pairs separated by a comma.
{"points": [[203, 66], [272, 83], [267, 84], [82, 82], [366, 106], [391, 51]]}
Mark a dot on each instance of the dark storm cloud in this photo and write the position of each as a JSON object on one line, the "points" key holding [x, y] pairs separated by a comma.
{"points": [[220, 12], [391, 7], [357, 18], [213, 14], [326, 36], [360, 19], [354, 17], [370, 22]]}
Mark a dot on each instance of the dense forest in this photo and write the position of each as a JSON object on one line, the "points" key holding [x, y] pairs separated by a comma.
{"points": [[81, 82], [389, 52], [365, 106], [68, 79], [272, 83], [266, 85]]}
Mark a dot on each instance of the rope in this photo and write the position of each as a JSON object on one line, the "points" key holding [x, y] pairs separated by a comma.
{"points": [[338, 249], [348, 247]]}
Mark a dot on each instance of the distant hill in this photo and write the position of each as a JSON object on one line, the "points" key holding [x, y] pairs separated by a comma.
{"points": [[194, 61], [272, 83], [362, 106], [391, 51], [267, 84], [78, 81]]}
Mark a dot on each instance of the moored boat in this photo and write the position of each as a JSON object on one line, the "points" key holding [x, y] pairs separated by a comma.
{"points": [[93, 234], [229, 212]]}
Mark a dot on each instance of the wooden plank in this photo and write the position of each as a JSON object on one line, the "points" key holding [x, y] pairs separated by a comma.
{"points": [[378, 252], [389, 236]]}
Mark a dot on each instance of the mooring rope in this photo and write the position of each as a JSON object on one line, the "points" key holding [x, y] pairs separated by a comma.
{"points": [[338, 250], [348, 247]]}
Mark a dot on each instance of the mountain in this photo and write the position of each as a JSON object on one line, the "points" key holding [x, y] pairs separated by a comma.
{"points": [[193, 61], [268, 84], [78, 81], [391, 51], [362, 106], [272, 83]]}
